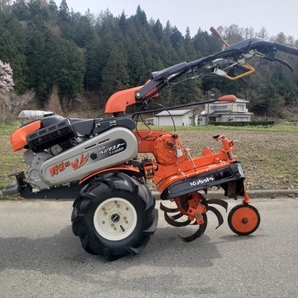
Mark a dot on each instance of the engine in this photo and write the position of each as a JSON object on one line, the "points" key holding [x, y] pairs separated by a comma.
{"points": [[64, 150], [49, 136]]}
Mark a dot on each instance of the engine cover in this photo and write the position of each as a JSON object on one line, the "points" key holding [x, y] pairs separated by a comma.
{"points": [[117, 145], [50, 135]]}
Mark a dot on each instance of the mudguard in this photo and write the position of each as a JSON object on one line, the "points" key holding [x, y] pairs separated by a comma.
{"points": [[221, 177]]}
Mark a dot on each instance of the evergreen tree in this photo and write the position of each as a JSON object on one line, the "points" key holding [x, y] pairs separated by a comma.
{"points": [[50, 47], [64, 20], [20, 10], [53, 8], [92, 77], [64, 14], [13, 46], [69, 70], [36, 59], [84, 31], [188, 46], [114, 75]]}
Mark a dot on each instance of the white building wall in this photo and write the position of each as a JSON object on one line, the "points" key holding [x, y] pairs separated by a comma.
{"points": [[183, 120], [226, 107]]}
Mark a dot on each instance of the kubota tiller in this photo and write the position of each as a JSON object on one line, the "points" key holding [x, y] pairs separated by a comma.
{"points": [[95, 161]]}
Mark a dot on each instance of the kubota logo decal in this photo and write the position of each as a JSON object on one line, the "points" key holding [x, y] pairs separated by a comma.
{"points": [[201, 181], [75, 164]]}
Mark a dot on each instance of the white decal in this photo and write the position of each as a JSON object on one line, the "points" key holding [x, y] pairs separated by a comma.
{"points": [[201, 181]]}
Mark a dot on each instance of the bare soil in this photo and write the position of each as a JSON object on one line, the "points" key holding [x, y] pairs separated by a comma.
{"points": [[269, 159]]}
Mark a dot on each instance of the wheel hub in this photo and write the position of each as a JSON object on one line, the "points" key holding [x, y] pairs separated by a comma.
{"points": [[115, 219], [244, 220]]}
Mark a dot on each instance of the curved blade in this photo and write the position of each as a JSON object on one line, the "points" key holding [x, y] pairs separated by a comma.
{"points": [[196, 235], [177, 216], [174, 223], [219, 202], [218, 215], [166, 209]]}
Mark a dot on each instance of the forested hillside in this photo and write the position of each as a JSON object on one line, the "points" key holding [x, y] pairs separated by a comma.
{"points": [[82, 59]]}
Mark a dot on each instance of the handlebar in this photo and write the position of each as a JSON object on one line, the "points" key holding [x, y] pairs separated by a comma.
{"points": [[260, 45], [231, 57], [235, 54]]}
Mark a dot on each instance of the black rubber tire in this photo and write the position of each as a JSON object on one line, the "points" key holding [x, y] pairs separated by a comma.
{"points": [[95, 216], [244, 219]]}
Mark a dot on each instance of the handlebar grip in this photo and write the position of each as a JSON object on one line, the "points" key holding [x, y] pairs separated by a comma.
{"points": [[287, 49]]}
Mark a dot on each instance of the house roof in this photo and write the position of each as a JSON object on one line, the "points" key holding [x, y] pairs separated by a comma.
{"points": [[173, 113], [241, 100], [238, 100]]}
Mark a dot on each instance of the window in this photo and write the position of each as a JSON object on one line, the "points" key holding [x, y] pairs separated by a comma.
{"points": [[240, 108], [241, 119], [219, 108]]}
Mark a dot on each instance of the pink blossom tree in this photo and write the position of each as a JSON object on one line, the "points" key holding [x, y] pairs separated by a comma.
{"points": [[6, 79], [6, 85], [11, 103]]}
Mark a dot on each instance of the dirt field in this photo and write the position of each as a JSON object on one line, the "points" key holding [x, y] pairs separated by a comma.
{"points": [[269, 158]]}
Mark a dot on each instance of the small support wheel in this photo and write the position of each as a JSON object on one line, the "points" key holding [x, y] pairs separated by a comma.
{"points": [[244, 219]]}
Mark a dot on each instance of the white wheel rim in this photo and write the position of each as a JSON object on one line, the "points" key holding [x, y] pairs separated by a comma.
{"points": [[115, 219]]}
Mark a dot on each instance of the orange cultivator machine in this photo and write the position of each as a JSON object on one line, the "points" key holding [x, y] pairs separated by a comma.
{"points": [[96, 162]]}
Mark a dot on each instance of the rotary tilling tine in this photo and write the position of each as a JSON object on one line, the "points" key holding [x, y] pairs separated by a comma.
{"points": [[218, 215], [198, 233], [167, 209], [177, 216], [219, 202], [175, 223]]}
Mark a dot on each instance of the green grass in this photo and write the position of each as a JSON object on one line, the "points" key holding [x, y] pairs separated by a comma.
{"points": [[7, 129], [13, 159], [10, 161]]}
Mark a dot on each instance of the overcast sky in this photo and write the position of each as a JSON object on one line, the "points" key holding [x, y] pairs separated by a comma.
{"points": [[275, 16]]}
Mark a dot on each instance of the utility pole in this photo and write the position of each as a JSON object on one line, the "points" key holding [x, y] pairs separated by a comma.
{"points": [[210, 96]]}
